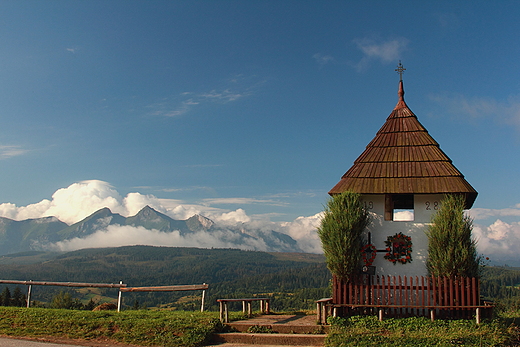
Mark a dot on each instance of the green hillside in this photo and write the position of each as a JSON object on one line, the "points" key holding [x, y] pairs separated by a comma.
{"points": [[293, 280], [16, 236]]}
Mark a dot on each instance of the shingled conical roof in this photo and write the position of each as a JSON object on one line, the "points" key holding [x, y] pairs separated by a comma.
{"points": [[404, 159]]}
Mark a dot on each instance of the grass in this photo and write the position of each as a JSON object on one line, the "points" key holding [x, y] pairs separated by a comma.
{"points": [[142, 327], [193, 329], [420, 331]]}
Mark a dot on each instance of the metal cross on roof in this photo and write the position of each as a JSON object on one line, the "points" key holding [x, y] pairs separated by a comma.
{"points": [[400, 70]]}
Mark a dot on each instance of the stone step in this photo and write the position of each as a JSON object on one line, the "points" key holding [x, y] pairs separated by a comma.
{"points": [[278, 328], [283, 324], [270, 339]]}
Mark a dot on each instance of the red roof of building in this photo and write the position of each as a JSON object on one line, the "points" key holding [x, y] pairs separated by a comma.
{"points": [[404, 159]]}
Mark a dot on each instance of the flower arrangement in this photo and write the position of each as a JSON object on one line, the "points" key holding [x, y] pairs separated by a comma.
{"points": [[368, 254], [399, 248]]}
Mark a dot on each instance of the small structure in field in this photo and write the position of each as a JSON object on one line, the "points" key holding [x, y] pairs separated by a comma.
{"points": [[402, 177]]}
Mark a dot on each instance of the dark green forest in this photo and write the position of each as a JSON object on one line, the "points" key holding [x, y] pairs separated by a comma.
{"points": [[502, 286], [293, 281]]}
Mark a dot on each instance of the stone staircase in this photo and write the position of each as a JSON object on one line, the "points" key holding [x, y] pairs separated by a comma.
{"points": [[273, 330]]}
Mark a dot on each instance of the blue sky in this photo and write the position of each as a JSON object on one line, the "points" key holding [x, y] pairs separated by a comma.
{"points": [[257, 106]]}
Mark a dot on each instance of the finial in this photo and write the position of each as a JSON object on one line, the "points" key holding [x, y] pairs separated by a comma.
{"points": [[400, 93], [400, 70]]}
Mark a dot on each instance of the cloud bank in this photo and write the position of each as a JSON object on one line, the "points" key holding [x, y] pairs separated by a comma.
{"points": [[499, 239], [79, 200], [116, 236]]}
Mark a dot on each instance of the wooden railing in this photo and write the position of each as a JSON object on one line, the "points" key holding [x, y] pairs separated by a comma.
{"points": [[121, 286], [403, 296]]}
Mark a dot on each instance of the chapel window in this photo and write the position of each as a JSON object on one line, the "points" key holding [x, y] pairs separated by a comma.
{"points": [[399, 207]]}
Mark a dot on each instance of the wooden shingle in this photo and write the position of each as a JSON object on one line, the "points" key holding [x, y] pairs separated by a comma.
{"points": [[404, 159]]}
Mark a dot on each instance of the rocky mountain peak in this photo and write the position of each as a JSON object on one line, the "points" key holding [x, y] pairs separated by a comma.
{"points": [[199, 223]]}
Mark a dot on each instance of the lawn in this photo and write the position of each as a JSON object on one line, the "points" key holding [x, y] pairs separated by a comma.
{"points": [[192, 329], [141, 327], [421, 331]]}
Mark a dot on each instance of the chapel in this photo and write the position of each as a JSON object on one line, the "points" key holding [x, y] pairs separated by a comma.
{"points": [[402, 177]]}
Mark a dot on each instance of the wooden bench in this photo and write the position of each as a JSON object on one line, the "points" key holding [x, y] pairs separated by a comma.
{"points": [[246, 307], [323, 310], [432, 308]]}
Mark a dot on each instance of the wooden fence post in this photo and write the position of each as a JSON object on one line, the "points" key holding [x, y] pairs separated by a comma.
{"points": [[226, 313], [119, 298], [29, 290], [203, 297], [221, 307]]}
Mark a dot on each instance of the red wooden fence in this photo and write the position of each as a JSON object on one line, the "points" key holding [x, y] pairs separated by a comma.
{"points": [[403, 296]]}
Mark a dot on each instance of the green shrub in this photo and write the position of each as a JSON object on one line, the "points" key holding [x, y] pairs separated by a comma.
{"points": [[452, 251], [340, 233]]}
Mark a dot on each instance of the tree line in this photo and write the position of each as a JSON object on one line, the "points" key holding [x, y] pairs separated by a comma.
{"points": [[17, 298], [290, 283]]}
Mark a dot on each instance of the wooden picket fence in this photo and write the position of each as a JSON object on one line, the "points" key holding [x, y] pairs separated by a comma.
{"points": [[403, 296]]}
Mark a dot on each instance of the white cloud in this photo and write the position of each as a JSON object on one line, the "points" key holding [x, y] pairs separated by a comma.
{"points": [[323, 59], [243, 201], [116, 236], [234, 89], [303, 230], [403, 216], [485, 213], [178, 209], [7, 151], [78, 201], [223, 96], [238, 216], [448, 21], [81, 199], [505, 111], [499, 239], [384, 51], [134, 202]]}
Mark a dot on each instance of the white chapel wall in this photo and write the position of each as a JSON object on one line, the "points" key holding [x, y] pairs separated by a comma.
{"points": [[424, 208]]}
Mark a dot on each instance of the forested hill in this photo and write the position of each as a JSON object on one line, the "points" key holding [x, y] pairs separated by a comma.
{"points": [[292, 280], [148, 265], [229, 272]]}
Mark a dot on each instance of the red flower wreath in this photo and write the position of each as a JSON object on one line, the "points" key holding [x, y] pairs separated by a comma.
{"points": [[368, 253], [399, 249]]}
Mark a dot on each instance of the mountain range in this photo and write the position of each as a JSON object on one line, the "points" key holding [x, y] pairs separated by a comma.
{"points": [[38, 234]]}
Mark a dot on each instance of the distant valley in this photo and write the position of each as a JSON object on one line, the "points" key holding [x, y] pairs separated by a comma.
{"points": [[298, 279]]}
